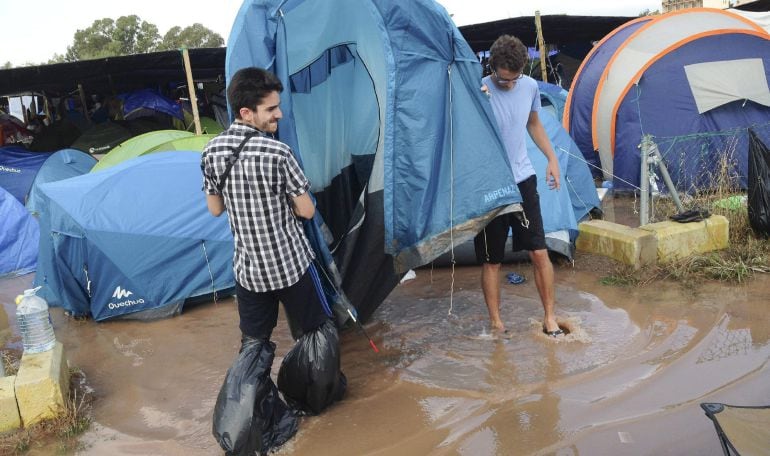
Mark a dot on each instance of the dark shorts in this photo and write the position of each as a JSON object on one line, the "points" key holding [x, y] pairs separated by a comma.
{"points": [[259, 310], [527, 228]]}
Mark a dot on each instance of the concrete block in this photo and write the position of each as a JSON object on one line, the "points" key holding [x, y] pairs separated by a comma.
{"points": [[628, 245], [42, 385], [681, 240], [9, 412]]}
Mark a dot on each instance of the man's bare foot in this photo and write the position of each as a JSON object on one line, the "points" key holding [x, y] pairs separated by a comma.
{"points": [[497, 326], [552, 330], [550, 326], [501, 333]]}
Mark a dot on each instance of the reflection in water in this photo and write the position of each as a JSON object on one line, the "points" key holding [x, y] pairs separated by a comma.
{"points": [[644, 359]]}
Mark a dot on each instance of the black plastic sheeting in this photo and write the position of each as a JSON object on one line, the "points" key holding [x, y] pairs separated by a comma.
{"points": [[759, 186], [249, 416], [310, 377], [160, 69], [757, 5], [557, 29], [115, 74]]}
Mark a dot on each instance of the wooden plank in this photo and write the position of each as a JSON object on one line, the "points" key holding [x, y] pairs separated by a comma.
{"points": [[191, 89], [541, 47]]}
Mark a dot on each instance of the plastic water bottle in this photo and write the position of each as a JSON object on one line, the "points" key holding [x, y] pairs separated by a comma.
{"points": [[34, 322]]}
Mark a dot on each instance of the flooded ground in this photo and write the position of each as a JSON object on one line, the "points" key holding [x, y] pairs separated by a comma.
{"points": [[627, 381]]}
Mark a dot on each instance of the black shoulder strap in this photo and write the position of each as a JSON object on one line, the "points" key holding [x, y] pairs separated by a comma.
{"points": [[233, 159]]}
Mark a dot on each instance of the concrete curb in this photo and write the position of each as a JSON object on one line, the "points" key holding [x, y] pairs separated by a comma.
{"points": [[37, 392], [661, 242]]}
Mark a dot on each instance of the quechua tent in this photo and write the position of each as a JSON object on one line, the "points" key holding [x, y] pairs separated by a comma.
{"points": [[382, 107], [19, 235], [18, 168], [135, 240], [60, 165]]}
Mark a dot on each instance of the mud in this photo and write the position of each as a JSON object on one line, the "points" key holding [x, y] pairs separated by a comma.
{"points": [[626, 380]]}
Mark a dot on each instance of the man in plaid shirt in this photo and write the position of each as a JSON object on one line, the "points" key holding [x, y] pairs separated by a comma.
{"points": [[266, 196]]}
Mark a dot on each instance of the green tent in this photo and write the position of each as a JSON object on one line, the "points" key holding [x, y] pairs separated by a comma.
{"points": [[138, 145], [208, 126], [196, 143], [101, 138]]}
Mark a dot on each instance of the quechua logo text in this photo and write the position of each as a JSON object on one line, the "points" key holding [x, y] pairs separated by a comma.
{"points": [[123, 293]]}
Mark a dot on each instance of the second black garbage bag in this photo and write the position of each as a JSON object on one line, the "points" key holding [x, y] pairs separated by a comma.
{"points": [[310, 377]]}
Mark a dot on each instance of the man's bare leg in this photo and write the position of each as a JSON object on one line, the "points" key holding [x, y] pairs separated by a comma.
{"points": [[544, 278], [490, 285]]}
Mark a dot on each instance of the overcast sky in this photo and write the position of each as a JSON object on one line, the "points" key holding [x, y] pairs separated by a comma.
{"points": [[40, 28]]}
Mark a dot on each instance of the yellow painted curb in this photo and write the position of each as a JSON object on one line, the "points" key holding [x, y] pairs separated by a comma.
{"points": [[631, 246], [42, 385], [9, 412], [681, 240]]}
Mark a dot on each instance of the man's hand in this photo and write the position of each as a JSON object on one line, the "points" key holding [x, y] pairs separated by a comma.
{"points": [[303, 206], [552, 175]]}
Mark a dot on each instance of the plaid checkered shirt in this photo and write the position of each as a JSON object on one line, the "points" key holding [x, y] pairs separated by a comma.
{"points": [[271, 250]]}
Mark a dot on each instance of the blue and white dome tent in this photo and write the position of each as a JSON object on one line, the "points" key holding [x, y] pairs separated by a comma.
{"points": [[382, 106], [133, 240]]}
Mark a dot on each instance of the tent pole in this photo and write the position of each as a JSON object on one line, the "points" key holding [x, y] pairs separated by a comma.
{"points": [[657, 159], [541, 46], [191, 89], [644, 182]]}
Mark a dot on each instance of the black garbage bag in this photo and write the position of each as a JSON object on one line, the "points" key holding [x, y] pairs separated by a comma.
{"points": [[759, 186], [310, 377], [250, 416]]}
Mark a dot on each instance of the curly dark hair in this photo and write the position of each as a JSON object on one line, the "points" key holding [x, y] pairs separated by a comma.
{"points": [[509, 53], [249, 86]]}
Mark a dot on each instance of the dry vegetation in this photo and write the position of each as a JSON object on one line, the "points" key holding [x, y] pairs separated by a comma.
{"points": [[746, 255], [59, 433]]}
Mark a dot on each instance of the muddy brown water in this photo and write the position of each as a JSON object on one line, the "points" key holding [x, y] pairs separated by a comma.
{"points": [[626, 381]]}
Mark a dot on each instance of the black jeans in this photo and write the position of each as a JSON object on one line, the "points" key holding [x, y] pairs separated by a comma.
{"points": [[259, 310]]}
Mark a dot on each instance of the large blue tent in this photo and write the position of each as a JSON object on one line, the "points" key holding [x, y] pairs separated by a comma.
{"points": [[382, 105], [60, 165], [562, 210], [132, 240], [18, 237], [21, 172], [18, 168]]}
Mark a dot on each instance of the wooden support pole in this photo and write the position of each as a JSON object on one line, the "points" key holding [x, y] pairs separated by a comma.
{"points": [[47, 108], [24, 110], [83, 103], [541, 47], [191, 88]]}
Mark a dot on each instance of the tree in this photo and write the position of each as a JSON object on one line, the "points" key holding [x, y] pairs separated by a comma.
{"points": [[131, 35], [57, 58], [7, 66], [194, 36], [106, 38], [648, 12]]}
